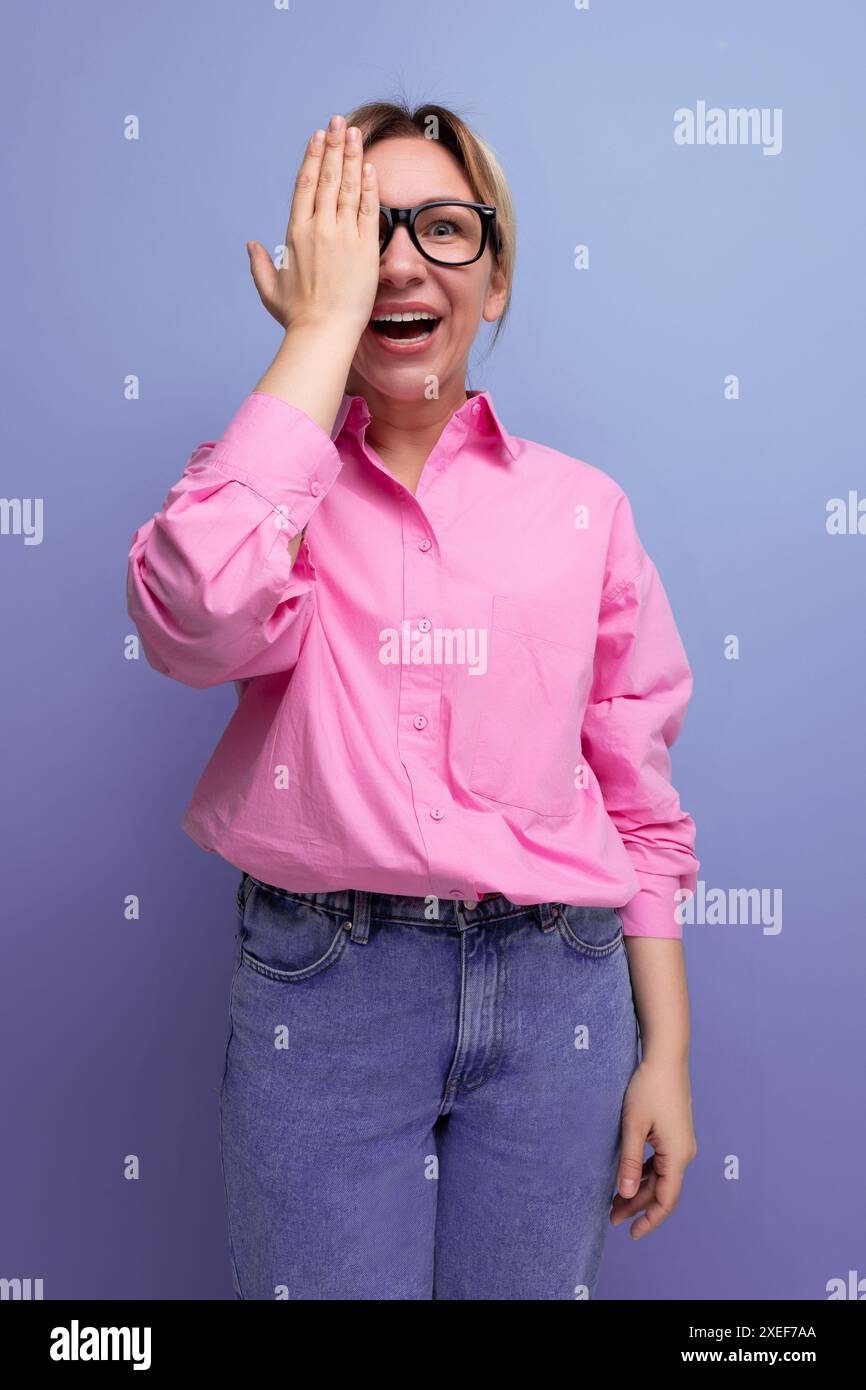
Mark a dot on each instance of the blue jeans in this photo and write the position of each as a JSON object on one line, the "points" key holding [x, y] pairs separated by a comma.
{"points": [[419, 1107]]}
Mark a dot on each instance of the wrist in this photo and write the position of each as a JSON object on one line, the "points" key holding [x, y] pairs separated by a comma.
{"points": [[333, 328], [665, 1053]]}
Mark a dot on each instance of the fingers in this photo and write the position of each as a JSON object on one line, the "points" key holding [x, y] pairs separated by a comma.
{"points": [[631, 1164], [623, 1207], [331, 171], [655, 1199], [307, 181], [331, 179], [662, 1195], [349, 190], [368, 205]]}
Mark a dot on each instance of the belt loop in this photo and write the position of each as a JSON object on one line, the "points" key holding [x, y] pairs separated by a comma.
{"points": [[361, 916], [547, 916], [245, 887]]}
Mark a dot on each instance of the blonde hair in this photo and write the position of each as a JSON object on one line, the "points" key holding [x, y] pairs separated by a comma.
{"points": [[381, 120]]}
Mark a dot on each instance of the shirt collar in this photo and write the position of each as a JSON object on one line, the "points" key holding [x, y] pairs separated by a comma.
{"points": [[354, 414]]}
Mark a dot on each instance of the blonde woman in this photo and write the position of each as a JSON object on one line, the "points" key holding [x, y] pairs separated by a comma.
{"points": [[446, 784]]}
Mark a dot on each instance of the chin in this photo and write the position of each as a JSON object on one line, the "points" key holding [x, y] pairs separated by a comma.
{"points": [[406, 381]]}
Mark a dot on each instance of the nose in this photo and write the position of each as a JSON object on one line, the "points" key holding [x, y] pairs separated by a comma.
{"points": [[401, 251]]}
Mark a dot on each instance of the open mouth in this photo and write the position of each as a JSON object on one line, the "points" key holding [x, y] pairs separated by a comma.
{"points": [[404, 331]]}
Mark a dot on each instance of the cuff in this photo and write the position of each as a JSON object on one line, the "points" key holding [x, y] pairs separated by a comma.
{"points": [[654, 910], [278, 451]]}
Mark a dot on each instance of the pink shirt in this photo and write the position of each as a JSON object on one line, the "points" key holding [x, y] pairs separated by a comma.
{"points": [[468, 690]]}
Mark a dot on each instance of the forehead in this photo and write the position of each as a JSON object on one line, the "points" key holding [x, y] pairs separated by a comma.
{"points": [[410, 171]]}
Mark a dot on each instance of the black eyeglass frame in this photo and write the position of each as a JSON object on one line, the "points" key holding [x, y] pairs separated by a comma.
{"points": [[405, 217]]}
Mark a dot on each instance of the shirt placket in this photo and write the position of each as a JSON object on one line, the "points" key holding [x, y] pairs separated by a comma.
{"points": [[420, 733]]}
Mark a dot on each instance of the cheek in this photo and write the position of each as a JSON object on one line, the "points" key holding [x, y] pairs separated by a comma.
{"points": [[466, 309]]}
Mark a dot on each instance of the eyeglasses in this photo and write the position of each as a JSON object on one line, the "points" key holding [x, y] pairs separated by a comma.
{"points": [[447, 233]]}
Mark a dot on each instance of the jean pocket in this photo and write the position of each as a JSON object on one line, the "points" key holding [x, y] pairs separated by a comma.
{"points": [[287, 940], [527, 747], [591, 931]]}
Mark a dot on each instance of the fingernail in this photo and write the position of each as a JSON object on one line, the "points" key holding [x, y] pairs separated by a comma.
{"points": [[627, 1187]]}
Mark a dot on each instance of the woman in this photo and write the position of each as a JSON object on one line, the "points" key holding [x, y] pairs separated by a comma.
{"points": [[447, 781]]}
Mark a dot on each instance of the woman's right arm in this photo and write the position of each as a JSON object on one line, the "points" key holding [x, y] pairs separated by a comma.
{"points": [[211, 582]]}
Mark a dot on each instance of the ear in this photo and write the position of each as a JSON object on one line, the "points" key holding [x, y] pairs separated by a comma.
{"points": [[497, 293]]}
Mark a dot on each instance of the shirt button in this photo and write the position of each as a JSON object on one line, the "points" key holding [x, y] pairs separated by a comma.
{"points": [[454, 892], [315, 488], [424, 625], [437, 813], [424, 545], [420, 721], [476, 409]]}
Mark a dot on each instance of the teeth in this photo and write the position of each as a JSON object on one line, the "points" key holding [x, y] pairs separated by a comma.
{"points": [[403, 318]]}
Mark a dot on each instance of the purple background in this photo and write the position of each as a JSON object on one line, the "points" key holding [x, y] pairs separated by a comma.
{"points": [[128, 257]]}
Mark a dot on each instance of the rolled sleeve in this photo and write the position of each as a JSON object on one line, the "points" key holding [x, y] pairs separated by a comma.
{"points": [[654, 910], [211, 582], [278, 451], [642, 684]]}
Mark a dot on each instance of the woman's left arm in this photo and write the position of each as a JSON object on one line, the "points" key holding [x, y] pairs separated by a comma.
{"points": [[641, 688], [657, 1109]]}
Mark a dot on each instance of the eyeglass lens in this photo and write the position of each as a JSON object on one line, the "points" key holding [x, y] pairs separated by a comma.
{"points": [[449, 232]]}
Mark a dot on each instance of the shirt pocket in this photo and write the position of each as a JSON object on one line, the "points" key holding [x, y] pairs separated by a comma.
{"points": [[527, 746]]}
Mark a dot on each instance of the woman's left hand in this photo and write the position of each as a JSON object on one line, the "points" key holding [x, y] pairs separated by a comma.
{"points": [[657, 1110]]}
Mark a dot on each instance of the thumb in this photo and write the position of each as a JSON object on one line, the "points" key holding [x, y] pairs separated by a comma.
{"points": [[262, 269], [630, 1170]]}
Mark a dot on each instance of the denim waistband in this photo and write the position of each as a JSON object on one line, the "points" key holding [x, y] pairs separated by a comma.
{"points": [[390, 907]]}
